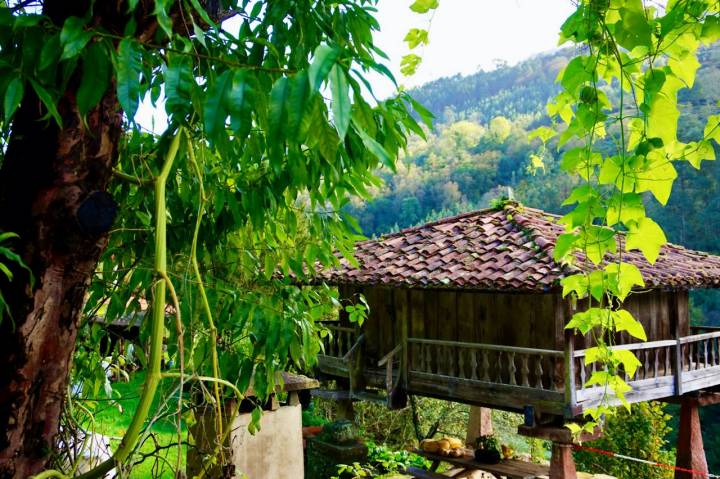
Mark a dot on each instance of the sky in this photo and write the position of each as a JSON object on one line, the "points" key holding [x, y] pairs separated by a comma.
{"points": [[465, 36]]}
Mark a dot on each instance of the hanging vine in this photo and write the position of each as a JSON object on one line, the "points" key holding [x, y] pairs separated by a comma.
{"points": [[616, 119]]}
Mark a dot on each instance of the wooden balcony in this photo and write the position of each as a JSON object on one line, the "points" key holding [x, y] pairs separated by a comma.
{"points": [[511, 378]]}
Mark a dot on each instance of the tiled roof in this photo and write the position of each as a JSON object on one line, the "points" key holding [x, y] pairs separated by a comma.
{"points": [[500, 249]]}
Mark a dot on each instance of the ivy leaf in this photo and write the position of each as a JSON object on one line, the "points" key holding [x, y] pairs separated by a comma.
{"points": [[697, 152], [341, 105], [627, 358], [625, 208], [657, 176], [542, 132], [622, 278], [323, 60], [127, 71], [73, 37], [409, 64], [647, 236], [598, 241], [415, 37], [424, 6], [576, 283], [95, 77], [13, 97], [563, 246], [624, 321]]}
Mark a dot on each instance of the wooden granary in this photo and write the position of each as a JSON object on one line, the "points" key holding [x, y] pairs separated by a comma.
{"points": [[470, 309]]}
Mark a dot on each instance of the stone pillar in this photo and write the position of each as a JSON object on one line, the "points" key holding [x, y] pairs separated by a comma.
{"points": [[562, 464], [479, 424], [690, 449]]}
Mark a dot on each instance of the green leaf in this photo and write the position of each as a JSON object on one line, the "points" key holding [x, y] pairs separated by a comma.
{"points": [[576, 284], [13, 97], [162, 7], [297, 103], [179, 85], [239, 103], [628, 359], [647, 236], [341, 105], [542, 132], [323, 60], [657, 176], [563, 246], [47, 100], [415, 37], [50, 52], [73, 37], [376, 149], [424, 6], [622, 278], [127, 71], [278, 111], [624, 321], [95, 77], [625, 208], [409, 64], [215, 109]]}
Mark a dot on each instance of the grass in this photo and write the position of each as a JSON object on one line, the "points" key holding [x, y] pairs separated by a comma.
{"points": [[113, 421]]}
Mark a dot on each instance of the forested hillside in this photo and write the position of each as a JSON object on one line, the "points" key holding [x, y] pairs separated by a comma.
{"points": [[479, 151]]}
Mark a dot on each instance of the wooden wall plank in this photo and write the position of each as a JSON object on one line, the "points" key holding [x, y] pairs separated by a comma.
{"points": [[417, 313]]}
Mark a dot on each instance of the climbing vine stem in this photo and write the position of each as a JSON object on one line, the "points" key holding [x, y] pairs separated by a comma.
{"points": [[622, 150]]}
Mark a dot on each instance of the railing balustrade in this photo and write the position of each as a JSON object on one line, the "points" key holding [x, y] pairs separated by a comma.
{"points": [[667, 368], [507, 365], [339, 341]]}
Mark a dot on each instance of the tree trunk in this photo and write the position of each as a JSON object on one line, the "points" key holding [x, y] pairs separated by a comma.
{"points": [[46, 175], [48, 172]]}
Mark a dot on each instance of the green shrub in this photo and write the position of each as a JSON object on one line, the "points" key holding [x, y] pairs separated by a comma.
{"points": [[640, 433]]}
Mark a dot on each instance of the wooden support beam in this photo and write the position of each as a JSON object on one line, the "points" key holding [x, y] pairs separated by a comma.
{"points": [[690, 449], [562, 464]]}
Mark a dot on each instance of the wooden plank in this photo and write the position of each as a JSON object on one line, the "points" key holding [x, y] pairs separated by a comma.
{"points": [[483, 393], [491, 347], [432, 320], [417, 313], [402, 317], [372, 325], [510, 468], [447, 315]]}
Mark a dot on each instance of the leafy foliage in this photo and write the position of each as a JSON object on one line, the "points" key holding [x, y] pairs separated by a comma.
{"points": [[642, 433], [254, 200]]}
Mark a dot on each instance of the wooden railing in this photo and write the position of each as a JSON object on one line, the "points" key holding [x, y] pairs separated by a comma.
{"points": [[340, 341], [515, 377], [508, 365], [667, 368]]}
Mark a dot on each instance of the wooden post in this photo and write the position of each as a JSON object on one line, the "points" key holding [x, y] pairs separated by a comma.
{"points": [[678, 368], [570, 390], [479, 424], [690, 449], [562, 464]]}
